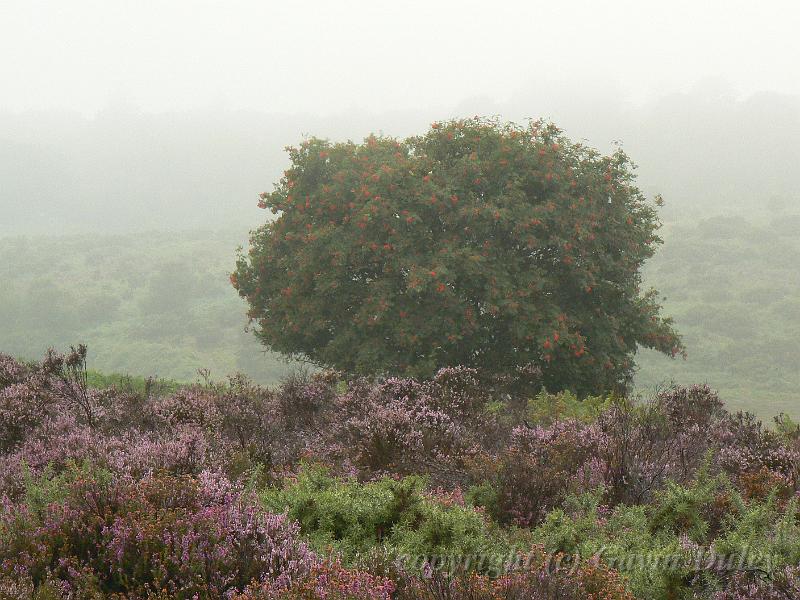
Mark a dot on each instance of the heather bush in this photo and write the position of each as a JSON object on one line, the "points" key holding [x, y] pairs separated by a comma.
{"points": [[406, 426], [630, 450], [664, 439], [11, 370], [750, 453], [99, 489], [540, 467], [669, 438], [307, 398], [328, 580], [104, 534], [49, 417], [21, 409]]}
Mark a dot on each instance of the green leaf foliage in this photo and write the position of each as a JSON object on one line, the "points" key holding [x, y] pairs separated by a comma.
{"points": [[479, 243]]}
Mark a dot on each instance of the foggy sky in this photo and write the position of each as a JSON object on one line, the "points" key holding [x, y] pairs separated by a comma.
{"points": [[324, 57], [137, 115]]}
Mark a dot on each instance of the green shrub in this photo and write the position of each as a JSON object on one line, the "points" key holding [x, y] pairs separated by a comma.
{"points": [[393, 516], [134, 384], [545, 408], [622, 539], [765, 535], [697, 510], [483, 495], [691, 540]]}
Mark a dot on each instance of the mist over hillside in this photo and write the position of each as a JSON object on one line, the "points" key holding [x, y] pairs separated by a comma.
{"points": [[125, 170]]}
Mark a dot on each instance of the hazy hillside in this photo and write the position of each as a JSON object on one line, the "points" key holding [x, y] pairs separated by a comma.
{"points": [[161, 304], [733, 286], [147, 304]]}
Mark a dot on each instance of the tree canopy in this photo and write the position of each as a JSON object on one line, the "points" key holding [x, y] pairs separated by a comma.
{"points": [[481, 243]]}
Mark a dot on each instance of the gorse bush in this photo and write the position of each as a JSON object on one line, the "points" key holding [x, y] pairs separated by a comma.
{"points": [[392, 516], [696, 539], [544, 408], [448, 487]]}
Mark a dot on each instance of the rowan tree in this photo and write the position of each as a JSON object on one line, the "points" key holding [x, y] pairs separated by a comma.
{"points": [[486, 244]]}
